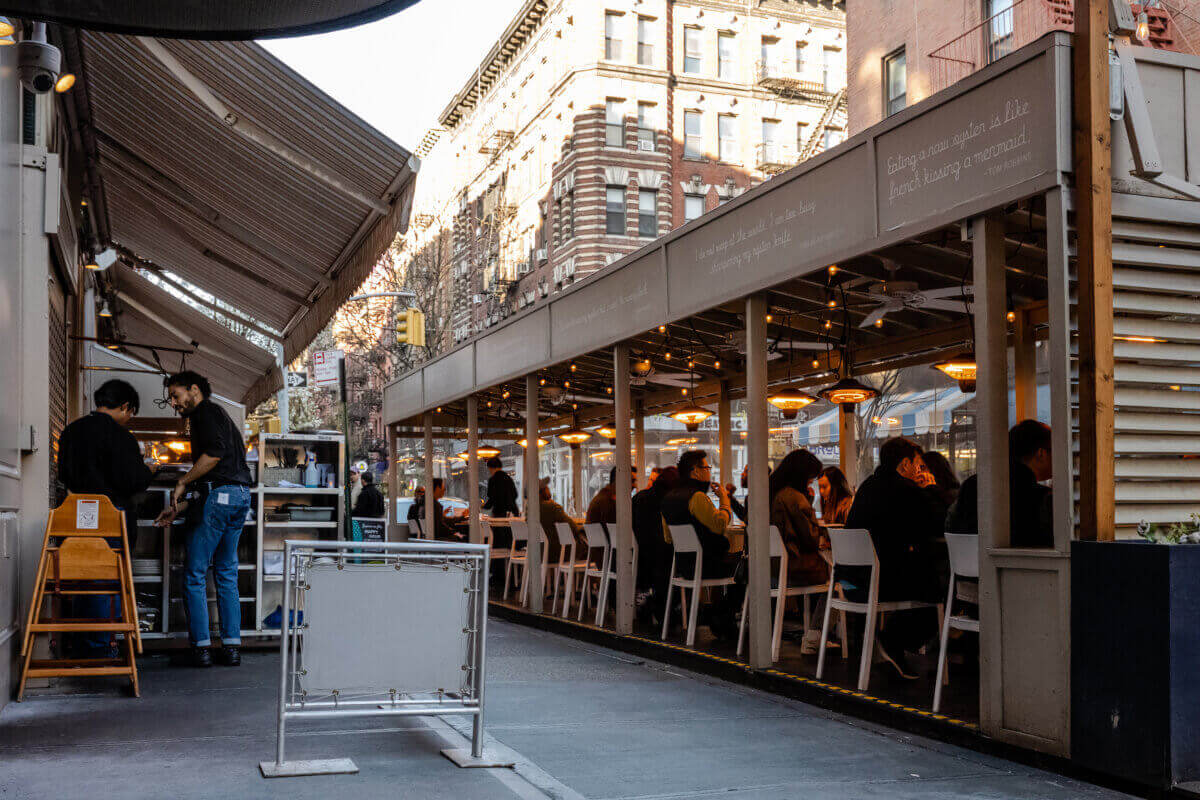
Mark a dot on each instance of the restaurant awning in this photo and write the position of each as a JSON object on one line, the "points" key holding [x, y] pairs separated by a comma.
{"points": [[215, 162], [215, 19], [153, 316]]}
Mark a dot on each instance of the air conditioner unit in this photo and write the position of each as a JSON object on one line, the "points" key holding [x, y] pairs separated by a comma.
{"points": [[477, 299], [540, 254], [645, 145]]}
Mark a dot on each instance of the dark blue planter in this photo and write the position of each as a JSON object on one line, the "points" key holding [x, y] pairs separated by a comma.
{"points": [[1135, 660]]}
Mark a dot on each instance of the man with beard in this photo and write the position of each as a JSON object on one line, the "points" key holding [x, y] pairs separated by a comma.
{"points": [[219, 481]]}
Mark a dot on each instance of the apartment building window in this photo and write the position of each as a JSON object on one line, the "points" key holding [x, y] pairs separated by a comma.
{"points": [[614, 123], [691, 49], [692, 138], [726, 57], [769, 55], [770, 141], [648, 212], [726, 139], [832, 71], [801, 57], [834, 137], [693, 207], [614, 210], [612, 36], [645, 123], [645, 41], [999, 28], [895, 82], [801, 136]]}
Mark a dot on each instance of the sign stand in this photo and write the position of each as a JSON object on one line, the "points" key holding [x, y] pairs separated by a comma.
{"points": [[425, 656]]}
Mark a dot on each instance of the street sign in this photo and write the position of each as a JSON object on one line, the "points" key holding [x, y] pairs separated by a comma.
{"points": [[297, 380], [325, 367]]}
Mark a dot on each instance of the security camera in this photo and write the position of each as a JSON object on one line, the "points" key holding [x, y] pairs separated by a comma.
{"points": [[38, 65]]}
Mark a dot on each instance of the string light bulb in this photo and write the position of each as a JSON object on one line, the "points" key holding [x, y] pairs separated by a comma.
{"points": [[667, 355], [572, 367], [816, 363], [828, 324], [1011, 316], [1143, 26], [833, 269]]}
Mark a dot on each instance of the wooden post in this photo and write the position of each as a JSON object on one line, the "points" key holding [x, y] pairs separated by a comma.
{"points": [[1024, 368], [724, 435], [475, 530], [991, 438], [1058, 280], [624, 537], [428, 524], [848, 442], [533, 502], [758, 525], [1093, 223]]}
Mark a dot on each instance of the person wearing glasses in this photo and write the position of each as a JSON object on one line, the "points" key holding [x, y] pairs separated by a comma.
{"points": [[688, 504]]}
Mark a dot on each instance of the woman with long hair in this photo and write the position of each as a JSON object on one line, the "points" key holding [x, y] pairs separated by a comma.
{"points": [[836, 496], [790, 499]]}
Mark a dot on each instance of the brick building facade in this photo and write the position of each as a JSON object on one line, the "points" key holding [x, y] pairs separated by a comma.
{"points": [[590, 129]]}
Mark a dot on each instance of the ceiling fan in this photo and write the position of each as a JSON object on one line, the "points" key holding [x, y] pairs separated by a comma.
{"points": [[896, 295]]}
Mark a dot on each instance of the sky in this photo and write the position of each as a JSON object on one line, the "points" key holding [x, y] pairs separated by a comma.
{"points": [[398, 73]]}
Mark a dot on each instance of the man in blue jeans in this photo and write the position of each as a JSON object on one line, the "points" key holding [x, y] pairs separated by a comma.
{"points": [[219, 486]]}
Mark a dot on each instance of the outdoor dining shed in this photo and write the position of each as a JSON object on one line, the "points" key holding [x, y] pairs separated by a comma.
{"points": [[971, 189]]}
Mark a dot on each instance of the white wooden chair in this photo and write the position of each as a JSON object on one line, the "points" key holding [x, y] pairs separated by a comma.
{"points": [[780, 593], [597, 539], [854, 548], [566, 568], [540, 533], [964, 563], [494, 554], [684, 540], [518, 554]]}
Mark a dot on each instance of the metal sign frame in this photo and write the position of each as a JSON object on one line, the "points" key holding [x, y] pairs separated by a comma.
{"points": [[377, 559]]}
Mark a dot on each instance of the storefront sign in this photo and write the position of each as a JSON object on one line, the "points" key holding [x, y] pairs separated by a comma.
{"points": [[368, 529]]}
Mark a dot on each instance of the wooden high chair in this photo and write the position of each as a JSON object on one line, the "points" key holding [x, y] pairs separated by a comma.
{"points": [[76, 560]]}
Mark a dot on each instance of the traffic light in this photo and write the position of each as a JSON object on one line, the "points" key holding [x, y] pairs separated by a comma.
{"points": [[410, 328]]}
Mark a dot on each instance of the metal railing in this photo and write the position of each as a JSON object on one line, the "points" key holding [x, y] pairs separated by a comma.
{"points": [[997, 36]]}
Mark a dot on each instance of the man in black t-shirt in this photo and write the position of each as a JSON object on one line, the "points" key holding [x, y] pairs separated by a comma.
{"points": [[220, 475]]}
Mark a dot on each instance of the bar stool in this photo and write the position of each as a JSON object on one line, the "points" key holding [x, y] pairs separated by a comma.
{"points": [[964, 563], [781, 592], [684, 540]]}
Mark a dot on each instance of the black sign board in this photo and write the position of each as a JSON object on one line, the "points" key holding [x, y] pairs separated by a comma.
{"points": [[372, 529]]}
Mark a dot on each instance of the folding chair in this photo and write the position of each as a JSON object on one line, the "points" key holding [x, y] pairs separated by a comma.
{"points": [[82, 563], [780, 593], [684, 540], [854, 548], [964, 563]]}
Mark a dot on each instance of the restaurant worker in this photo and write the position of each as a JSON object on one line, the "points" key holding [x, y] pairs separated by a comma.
{"points": [[97, 455], [501, 491], [219, 483]]}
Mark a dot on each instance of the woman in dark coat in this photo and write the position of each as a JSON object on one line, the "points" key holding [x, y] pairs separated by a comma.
{"points": [[792, 513]]}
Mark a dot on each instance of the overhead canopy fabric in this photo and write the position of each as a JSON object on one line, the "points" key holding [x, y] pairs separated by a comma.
{"points": [[150, 315], [214, 161], [211, 19]]}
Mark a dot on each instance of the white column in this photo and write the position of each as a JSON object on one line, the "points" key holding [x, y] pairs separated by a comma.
{"points": [[639, 445], [577, 498], [624, 537], [475, 530], [848, 442], [533, 505], [757, 527], [428, 524], [724, 435]]}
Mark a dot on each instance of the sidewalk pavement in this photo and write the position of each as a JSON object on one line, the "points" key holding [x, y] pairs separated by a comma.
{"points": [[583, 721]]}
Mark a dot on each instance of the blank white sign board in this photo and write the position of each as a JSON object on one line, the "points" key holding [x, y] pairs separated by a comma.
{"points": [[374, 630]]}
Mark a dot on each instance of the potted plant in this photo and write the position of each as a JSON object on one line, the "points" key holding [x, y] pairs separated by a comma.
{"points": [[1135, 654]]}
